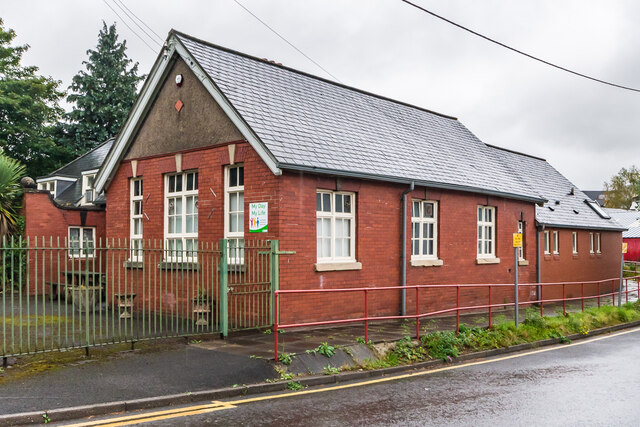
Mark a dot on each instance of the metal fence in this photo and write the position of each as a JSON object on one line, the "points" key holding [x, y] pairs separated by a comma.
{"points": [[458, 298], [57, 294]]}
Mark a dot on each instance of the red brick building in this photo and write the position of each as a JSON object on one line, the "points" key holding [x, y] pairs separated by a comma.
{"points": [[366, 190], [64, 205]]}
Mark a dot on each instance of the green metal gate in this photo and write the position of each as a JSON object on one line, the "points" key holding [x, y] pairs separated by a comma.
{"points": [[57, 294]]}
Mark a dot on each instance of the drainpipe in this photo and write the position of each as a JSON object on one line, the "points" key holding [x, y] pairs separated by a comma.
{"points": [[404, 248], [538, 272]]}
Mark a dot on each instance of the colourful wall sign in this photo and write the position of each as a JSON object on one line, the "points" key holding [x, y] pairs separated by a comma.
{"points": [[258, 217]]}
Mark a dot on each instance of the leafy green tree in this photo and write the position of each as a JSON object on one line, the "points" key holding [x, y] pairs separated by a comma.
{"points": [[623, 188], [28, 110], [10, 191], [103, 93]]}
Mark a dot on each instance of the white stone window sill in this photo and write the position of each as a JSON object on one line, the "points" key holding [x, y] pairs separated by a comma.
{"points": [[523, 262], [487, 261], [426, 262], [338, 266]]}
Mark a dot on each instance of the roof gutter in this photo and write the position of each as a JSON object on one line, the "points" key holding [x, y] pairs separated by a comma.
{"points": [[403, 292], [399, 180], [581, 227]]}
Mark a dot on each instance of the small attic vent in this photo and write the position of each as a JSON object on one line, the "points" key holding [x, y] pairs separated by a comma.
{"points": [[557, 202], [597, 209], [572, 192]]}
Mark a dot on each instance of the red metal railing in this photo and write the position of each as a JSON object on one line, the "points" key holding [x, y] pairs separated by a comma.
{"points": [[365, 318]]}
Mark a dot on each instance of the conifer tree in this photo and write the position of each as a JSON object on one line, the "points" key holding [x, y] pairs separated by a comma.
{"points": [[103, 93]]}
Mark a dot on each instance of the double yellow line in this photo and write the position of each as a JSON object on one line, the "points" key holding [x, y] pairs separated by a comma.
{"points": [[160, 415], [219, 405]]}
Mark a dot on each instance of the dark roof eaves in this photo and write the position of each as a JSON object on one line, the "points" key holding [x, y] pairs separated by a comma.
{"points": [[401, 180], [581, 227], [67, 207], [284, 67]]}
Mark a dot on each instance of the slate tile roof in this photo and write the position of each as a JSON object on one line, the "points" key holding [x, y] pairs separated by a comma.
{"points": [[562, 208], [629, 219], [88, 161], [313, 124], [91, 160]]}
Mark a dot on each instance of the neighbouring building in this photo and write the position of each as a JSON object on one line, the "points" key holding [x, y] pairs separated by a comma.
{"points": [[65, 206], [630, 219], [367, 191], [577, 239]]}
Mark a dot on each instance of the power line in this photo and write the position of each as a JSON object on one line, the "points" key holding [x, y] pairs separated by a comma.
{"points": [[122, 4], [285, 40], [535, 58], [127, 25]]}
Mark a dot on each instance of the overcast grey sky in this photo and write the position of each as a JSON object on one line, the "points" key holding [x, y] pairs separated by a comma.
{"points": [[586, 130]]}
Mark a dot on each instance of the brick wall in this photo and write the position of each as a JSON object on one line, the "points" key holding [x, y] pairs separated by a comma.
{"points": [[583, 266], [378, 248], [292, 220], [260, 185], [43, 219]]}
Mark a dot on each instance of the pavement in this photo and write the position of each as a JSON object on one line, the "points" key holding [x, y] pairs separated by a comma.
{"points": [[132, 376]]}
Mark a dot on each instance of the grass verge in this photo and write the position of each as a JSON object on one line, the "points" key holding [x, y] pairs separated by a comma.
{"points": [[447, 345]]}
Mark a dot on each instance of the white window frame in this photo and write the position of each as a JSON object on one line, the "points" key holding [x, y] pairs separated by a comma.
{"points": [[598, 251], [591, 244], [85, 186], [422, 221], [556, 243], [547, 243], [235, 248], [574, 237], [136, 239], [49, 186], [333, 216], [80, 250], [521, 248], [481, 229], [185, 254]]}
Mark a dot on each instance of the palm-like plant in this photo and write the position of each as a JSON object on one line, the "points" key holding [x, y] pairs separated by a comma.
{"points": [[10, 173]]}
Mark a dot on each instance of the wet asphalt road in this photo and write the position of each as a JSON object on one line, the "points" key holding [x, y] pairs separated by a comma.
{"points": [[595, 383]]}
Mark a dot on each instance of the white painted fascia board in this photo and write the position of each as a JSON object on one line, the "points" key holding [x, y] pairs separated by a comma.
{"points": [[90, 172], [228, 109], [56, 178], [139, 110]]}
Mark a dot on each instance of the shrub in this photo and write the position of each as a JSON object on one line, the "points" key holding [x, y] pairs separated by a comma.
{"points": [[441, 344]]}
